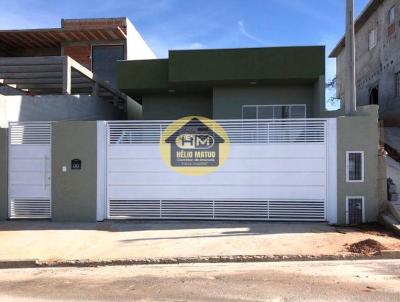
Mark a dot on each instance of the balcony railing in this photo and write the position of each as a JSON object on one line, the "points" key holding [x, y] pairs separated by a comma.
{"points": [[55, 75]]}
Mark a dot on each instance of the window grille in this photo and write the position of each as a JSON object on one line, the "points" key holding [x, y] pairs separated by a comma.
{"points": [[355, 166]]}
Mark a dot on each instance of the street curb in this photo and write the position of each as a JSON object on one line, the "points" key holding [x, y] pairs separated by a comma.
{"points": [[29, 263], [18, 263]]}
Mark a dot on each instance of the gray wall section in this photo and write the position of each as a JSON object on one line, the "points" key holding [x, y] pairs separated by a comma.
{"points": [[6, 90], [3, 174], [134, 109], [74, 192], [56, 108], [175, 106], [228, 101], [359, 133]]}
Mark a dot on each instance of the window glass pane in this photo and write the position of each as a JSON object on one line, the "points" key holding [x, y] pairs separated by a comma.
{"points": [[285, 111], [281, 112], [104, 61], [277, 112], [266, 112], [297, 111], [273, 111], [355, 166], [372, 39], [391, 15], [249, 112]]}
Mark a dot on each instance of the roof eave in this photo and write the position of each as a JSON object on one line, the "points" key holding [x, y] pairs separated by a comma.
{"points": [[360, 21], [338, 48]]}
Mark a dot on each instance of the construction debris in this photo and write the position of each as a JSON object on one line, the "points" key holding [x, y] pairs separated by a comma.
{"points": [[368, 247]]}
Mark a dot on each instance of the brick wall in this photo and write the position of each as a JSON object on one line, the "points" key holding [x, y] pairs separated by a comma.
{"points": [[94, 23], [80, 53]]}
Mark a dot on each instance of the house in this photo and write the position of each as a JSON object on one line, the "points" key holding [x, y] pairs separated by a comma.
{"points": [[282, 156], [276, 82], [67, 73], [377, 41]]}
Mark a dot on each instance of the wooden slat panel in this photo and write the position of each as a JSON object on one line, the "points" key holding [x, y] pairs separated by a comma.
{"points": [[18, 61]]}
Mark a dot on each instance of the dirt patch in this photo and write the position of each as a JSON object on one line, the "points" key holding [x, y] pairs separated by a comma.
{"points": [[374, 229], [368, 247]]}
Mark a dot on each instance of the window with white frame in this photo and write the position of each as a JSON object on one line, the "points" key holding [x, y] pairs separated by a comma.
{"points": [[397, 79], [391, 15], [372, 39], [355, 213], [354, 166], [274, 111]]}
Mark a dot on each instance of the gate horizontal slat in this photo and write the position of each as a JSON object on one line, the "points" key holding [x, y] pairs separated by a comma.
{"points": [[205, 209]]}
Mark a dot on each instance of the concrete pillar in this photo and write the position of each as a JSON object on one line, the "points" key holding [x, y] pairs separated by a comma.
{"points": [[67, 76], [363, 127], [350, 78]]}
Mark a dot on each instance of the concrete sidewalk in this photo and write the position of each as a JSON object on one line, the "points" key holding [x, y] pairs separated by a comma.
{"points": [[50, 241]]}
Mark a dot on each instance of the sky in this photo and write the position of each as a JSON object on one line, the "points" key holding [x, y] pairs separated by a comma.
{"points": [[194, 24]]}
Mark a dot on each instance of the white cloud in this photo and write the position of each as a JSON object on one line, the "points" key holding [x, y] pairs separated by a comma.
{"points": [[244, 32], [196, 45], [161, 47]]}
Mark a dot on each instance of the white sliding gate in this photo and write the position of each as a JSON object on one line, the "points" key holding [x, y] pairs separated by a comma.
{"points": [[29, 185], [276, 170]]}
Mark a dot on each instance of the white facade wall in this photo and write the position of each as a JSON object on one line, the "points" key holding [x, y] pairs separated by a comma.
{"points": [[137, 48]]}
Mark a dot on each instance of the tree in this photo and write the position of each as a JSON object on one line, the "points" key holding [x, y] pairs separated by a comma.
{"points": [[331, 86]]}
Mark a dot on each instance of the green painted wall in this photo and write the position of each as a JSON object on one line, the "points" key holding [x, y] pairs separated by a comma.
{"points": [[174, 106], [269, 63], [228, 101], [292, 74], [138, 75], [3, 174], [359, 133], [74, 192], [206, 68]]}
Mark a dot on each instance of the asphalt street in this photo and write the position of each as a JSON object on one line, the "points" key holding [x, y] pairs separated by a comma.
{"points": [[377, 280]]}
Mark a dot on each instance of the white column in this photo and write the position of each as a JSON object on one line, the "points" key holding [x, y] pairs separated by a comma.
{"points": [[101, 171], [332, 168]]}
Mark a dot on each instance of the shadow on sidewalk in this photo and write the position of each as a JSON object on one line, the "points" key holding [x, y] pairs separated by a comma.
{"points": [[244, 228]]}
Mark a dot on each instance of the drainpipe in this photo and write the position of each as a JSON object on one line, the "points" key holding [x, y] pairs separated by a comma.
{"points": [[350, 104]]}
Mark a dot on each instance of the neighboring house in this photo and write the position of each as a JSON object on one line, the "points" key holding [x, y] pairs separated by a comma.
{"points": [[377, 40], [67, 73]]}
